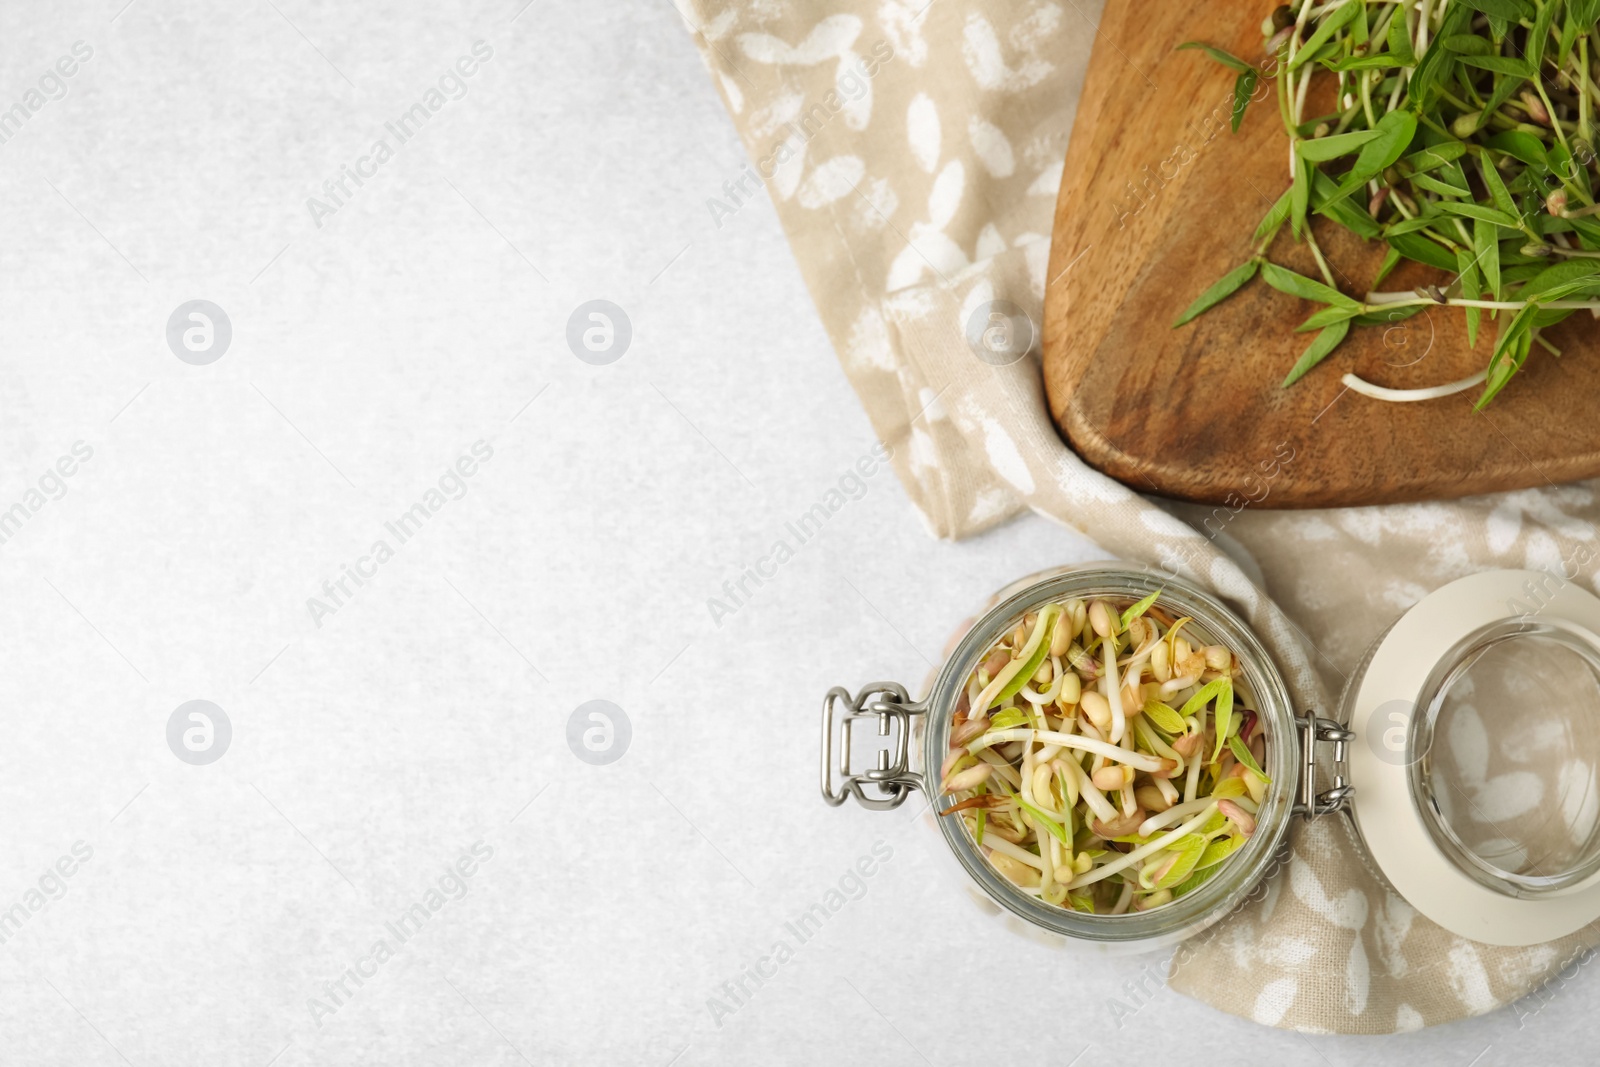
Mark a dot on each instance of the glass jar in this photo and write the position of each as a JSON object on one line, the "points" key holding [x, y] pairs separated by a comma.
{"points": [[919, 731], [1441, 794], [1478, 770]]}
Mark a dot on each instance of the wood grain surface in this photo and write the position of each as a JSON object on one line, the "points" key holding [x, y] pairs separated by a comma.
{"points": [[1157, 201]]}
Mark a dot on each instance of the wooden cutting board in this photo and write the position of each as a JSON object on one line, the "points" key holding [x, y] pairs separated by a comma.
{"points": [[1157, 201]]}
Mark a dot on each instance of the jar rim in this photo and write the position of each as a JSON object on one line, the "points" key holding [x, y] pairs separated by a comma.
{"points": [[1575, 640], [1243, 871], [1382, 702]]}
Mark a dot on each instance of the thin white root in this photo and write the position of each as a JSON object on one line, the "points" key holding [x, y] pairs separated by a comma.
{"points": [[1402, 396]]}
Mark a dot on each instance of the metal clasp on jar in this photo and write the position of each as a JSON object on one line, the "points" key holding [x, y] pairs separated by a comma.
{"points": [[1314, 729], [892, 780]]}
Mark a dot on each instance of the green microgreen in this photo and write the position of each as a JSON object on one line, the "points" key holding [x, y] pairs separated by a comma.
{"points": [[1421, 87]]}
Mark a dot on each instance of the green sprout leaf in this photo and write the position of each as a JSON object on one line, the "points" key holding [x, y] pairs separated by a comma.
{"points": [[1232, 62], [1510, 82], [1045, 822], [1400, 42], [1188, 858], [1471, 283], [1287, 281], [1204, 695], [1243, 88], [1324, 343], [1486, 247], [1417, 247], [1223, 288], [1330, 24], [1219, 850], [1041, 634], [1505, 9], [1136, 610], [1224, 714], [1274, 217], [1334, 146], [1241, 752], [1327, 317], [1478, 211], [1008, 719], [1164, 717]]}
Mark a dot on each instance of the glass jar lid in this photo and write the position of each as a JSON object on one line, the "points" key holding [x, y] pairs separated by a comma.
{"points": [[1477, 773]]}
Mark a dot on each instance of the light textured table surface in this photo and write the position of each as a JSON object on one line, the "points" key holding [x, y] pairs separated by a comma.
{"points": [[384, 730]]}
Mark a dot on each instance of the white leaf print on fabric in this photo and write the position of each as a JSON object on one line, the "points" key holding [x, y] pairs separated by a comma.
{"points": [[906, 270], [909, 305], [1008, 462], [1541, 553], [1160, 522], [1347, 911], [790, 153], [868, 344], [718, 27], [981, 50], [902, 24], [854, 89], [827, 40], [1253, 947], [1274, 1000], [1314, 529], [1393, 923], [928, 245], [1529, 965], [923, 131], [875, 206], [830, 180], [1465, 973], [931, 406], [1364, 523], [980, 294], [1550, 508], [1503, 526], [1040, 23], [1048, 183], [783, 109], [991, 147], [990, 244], [732, 92], [989, 504], [1407, 1019], [1400, 594], [1357, 979], [928, 250], [786, 176], [944, 200]]}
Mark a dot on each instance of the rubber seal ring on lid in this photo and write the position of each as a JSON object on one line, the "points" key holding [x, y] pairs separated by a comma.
{"points": [[1389, 696]]}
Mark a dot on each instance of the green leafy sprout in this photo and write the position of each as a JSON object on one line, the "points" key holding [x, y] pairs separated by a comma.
{"points": [[1463, 140]]}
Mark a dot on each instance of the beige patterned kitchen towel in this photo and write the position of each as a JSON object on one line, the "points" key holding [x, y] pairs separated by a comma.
{"points": [[913, 149]]}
